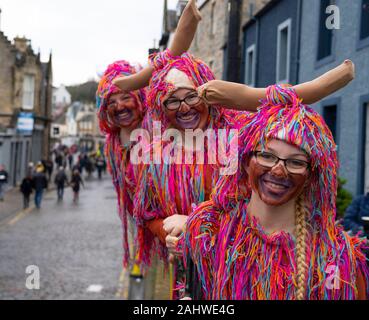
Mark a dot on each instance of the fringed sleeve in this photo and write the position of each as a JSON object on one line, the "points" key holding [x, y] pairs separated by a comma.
{"points": [[148, 219], [361, 253], [200, 238]]}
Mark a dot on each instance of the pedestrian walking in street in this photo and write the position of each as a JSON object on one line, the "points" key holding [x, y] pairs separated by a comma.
{"points": [[26, 189], [100, 163], [70, 160], [59, 159], [269, 231], [39, 184], [3, 181], [30, 169], [49, 166], [60, 181], [76, 182]]}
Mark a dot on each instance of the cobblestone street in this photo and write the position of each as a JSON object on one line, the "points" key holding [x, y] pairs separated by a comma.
{"points": [[75, 246]]}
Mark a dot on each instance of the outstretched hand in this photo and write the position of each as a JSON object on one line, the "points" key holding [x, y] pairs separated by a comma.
{"points": [[183, 37]]}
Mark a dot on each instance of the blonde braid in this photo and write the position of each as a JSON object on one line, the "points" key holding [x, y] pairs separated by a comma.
{"points": [[301, 235]]}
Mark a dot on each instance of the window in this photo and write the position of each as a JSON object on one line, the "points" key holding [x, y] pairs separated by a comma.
{"points": [[250, 66], [28, 91], [330, 117], [364, 28], [283, 51], [325, 34]]}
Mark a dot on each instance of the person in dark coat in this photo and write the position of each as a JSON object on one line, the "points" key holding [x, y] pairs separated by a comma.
{"points": [[3, 181], [39, 184], [100, 163], [357, 213], [60, 181], [26, 189], [75, 183]]}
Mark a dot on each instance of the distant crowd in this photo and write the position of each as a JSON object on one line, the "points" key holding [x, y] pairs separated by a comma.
{"points": [[38, 177]]}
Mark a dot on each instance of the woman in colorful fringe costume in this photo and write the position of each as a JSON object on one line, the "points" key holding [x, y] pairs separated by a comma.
{"points": [[269, 231], [170, 189], [120, 111]]}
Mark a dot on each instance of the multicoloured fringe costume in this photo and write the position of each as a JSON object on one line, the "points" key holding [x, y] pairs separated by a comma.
{"points": [[236, 259], [123, 173], [168, 189]]}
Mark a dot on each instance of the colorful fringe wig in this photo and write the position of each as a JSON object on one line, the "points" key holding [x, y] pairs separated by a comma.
{"points": [[106, 88], [159, 89], [236, 259], [169, 189], [123, 173]]}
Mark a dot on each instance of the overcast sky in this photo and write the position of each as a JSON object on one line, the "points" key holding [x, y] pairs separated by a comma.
{"points": [[85, 35]]}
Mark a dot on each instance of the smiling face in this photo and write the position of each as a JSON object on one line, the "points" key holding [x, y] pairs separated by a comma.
{"points": [[123, 110], [188, 115], [277, 186]]}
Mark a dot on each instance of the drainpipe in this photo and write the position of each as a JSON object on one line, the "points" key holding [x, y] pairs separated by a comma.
{"points": [[298, 39], [233, 49]]}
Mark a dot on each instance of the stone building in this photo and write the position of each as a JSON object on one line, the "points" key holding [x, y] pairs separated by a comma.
{"points": [[88, 132], [211, 40], [25, 106]]}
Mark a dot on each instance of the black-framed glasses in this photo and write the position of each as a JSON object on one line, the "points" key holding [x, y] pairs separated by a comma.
{"points": [[174, 104], [269, 160]]}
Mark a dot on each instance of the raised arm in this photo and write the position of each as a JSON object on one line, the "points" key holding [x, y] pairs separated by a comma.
{"points": [[242, 97], [182, 40]]}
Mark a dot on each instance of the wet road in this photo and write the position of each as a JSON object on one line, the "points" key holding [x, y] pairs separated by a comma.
{"points": [[76, 247]]}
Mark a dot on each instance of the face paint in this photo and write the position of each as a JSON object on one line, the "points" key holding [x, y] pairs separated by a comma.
{"points": [[187, 117], [124, 110], [276, 186]]}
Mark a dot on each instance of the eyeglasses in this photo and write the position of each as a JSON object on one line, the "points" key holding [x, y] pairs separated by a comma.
{"points": [[269, 160], [174, 104]]}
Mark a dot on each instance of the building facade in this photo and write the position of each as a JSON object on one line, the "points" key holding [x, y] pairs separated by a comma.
{"points": [[346, 111], [211, 39], [25, 106], [293, 41], [270, 47], [61, 100]]}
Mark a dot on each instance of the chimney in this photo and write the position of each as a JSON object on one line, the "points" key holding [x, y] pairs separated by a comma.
{"points": [[21, 44]]}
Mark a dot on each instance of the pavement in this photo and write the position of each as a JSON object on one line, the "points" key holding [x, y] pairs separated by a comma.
{"points": [[76, 248]]}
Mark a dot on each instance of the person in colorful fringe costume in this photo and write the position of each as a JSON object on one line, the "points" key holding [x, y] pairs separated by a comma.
{"points": [[269, 231], [168, 191], [119, 113], [122, 111]]}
